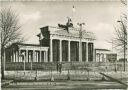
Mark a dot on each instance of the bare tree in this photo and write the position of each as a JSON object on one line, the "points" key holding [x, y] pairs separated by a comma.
{"points": [[120, 39], [124, 2], [9, 32]]}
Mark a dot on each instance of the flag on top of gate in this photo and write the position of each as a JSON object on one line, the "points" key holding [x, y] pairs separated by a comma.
{"points": [[73, 8]]}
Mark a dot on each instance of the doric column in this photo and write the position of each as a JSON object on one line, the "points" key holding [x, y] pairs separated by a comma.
{"points": [[10, 55], [51, 55], [13, 56], [69, 51], [24, 60], [33, 55], [31, 60], [40, 57], [99, 57], [46, 56], [86, 51], [26, 55], [105, 57], [37, 54], [94, 56], [43, 53], [80, 51], [16, 56], [102, 57], [20, 58], [60, 50], [36, 57]]}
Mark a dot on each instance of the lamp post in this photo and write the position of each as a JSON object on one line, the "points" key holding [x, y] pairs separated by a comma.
{"points": [[80, 36], [125, 41]]}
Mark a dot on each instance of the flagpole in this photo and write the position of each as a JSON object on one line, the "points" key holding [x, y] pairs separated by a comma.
{"points": [[73, 11]]}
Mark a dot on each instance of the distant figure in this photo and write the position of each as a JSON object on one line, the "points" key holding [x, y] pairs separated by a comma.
{"points": [[35, 78], [52, 79], [68, 75], [57, 67], [60, 67]]}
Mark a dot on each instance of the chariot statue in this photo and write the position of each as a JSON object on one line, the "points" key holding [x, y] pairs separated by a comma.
{"points": [[68, 24]]}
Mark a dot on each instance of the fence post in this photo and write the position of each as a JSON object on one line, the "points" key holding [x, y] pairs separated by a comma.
{"points": [[88, 75], [68, 76], [52, 78], [36, 76]]}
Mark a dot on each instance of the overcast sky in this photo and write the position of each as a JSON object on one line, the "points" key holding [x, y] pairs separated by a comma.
{"points": [[99, 17]]}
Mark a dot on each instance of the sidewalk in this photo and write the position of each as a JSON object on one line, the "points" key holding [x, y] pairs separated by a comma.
{"points": [[65, 85]]}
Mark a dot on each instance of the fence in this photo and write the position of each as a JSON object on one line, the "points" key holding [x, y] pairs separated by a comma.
{"points": [[70, 70], [118, 66]]}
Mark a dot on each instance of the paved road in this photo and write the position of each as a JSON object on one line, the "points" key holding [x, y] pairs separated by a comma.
{"points": [[65, 85]]}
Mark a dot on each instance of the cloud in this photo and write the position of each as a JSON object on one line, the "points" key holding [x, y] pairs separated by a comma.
{"points": [[103, 45], [30, 16], [104, 32]]}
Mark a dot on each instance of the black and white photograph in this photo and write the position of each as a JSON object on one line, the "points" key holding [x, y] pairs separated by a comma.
{"points": [[63, 45]]}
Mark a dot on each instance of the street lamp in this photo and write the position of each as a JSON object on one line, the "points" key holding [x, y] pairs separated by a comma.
{"points": [[125, 39]]}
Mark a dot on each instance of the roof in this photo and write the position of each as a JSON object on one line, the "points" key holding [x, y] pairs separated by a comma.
{"points": [[84, 34], [102, 49], [73, 32], [24, 44]]}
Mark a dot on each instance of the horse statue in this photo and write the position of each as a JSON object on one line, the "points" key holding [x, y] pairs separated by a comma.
{"points": [[68, 24]]}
